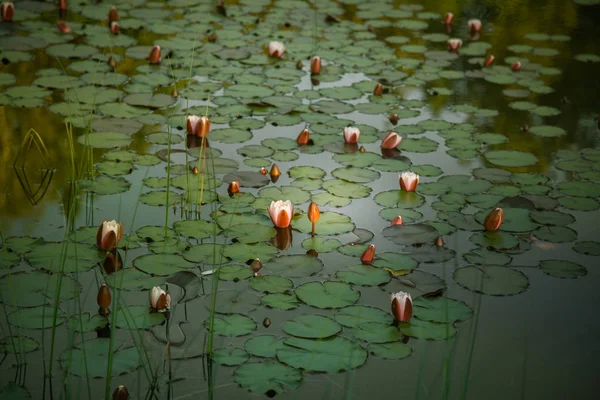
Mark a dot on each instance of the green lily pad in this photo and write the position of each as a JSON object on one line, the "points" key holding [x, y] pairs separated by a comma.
{"points": [[411, 234], [441, 309], [510, 158], [590, 247], [271, 284], [41, 317], [328, 355], [330, 223], [311, 326], [321, 245], [230, 356], [264, 345], [562, 269], [493, 280], [353, 316], [377, 332], [390, 351], [63, 257], [427, 330], [364, 275], [268, 376], [138, 317], [162, 264], [295, 266], [232, 325], [90, 359]]}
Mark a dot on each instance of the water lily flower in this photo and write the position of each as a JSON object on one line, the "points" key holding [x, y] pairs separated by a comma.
{"points": [[109, 234], [474, 25], [63, 27], [313, 215], [401, 306], [439, 242], [351, 135], [397, 220], [104, 296], [315, 65], [154, 56], [199, 126], [489, 60], [391, 141], [281, 213], [8, 11], [454, 44], [494, 219], [409, 181], [275, 172], [113, 15], [448, 18], [516, 66], [378, 91], [276, 49], [120, 393], [233, 188], [303, 137], [114, 27], [159, 299], [368, 254]]}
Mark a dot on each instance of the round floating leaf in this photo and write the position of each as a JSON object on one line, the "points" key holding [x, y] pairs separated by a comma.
{"points": [[311, 326], [104, 140], [511, 158], [496, 240], [399, 198], [63, 257], [364, 275], [321, 245], [271, 284], [555, 234], [376, 332], [562, 269], [580, 189], [233, 301], [162, 264], [427, 330], [492, 280], [230, 356], [295, 266], [36, 288], [232, 325], [341, 188], [268, 376], [441, 309], [264, 345], [356, 175], [91, 360], [484, 256], [390, 351], [242, 252], [41, 317], [411, 234], [250, 233], [18, 345], [353, 316], [417, 284], [547, 131], [85, 323], [327, 294], [138, 317], [330, 223], [329, 355], [591, 248]]}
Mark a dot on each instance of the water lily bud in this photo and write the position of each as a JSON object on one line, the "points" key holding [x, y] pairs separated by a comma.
{"points": [[203, 127], [276, 49], [120, 393], [8, 11], [114, 28], [474, 25], [489, 60], [315, 65], [112, 262], [159, 299], [516, 66], [112, 62], [494, 219], [299, 65], [104, 296], [378, 91], [439, 242], [275, 172], [266, 322], [448, 18], [63, 27], [154, 56], [454, 44], [351, 135], [113, 15], [263, 171], [394, 118], [108, 235], [281, 213], [175, 93], [368, 254], [303, 137], [409, 181], [313, 212], [362, 149], [256, 265], [391, 141], [397, 220], [195, 171], [233, 188], [401, 306]]}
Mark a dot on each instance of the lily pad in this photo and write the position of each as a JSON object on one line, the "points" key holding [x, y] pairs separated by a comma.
{"points": [[311, 326], [327, 294], [328, 355], [493, 280]]}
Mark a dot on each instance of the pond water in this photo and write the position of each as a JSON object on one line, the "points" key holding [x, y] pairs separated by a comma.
{"points": [[91, 130]]}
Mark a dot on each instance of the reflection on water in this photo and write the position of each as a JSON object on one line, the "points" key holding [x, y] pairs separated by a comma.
{"points": [[531, 345]]}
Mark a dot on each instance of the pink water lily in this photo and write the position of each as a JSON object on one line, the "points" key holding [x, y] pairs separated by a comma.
{"points": [[199, 126], [397, 220], [108, 235], [159, 299], [409, 181], [391, 141], [281, 213], [276, 49], [516, 66], [315, 65], [402, 306], [448, 19], [351, 135], [454, 44], [474, 25], [8, 11]]}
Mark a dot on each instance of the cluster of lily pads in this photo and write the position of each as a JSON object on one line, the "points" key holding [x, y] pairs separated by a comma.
{"points": [[239, 82]]}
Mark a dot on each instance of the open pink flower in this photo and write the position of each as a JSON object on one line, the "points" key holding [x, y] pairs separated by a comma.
{"points": [[448, 19], [281, 213], [8, 11], [199, 126], [276, 49], [409, 181], [402, 306], [159, 299], [474, 25], [391, 141], [351, 135], [109, 234], [454, 44]]}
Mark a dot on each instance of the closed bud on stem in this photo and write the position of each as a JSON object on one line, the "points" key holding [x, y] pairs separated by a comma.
{"points": [[493, 220], [8, 11], [315, 65], [263, 171], [233, 188], [256, 265], [120, 393], [368, 254], [439, 242], [489, 60], [114, 28], [113, 15], [402, 306], [516, 66], [378, 91], [154, 56], [313, 212], [63, 27], [394, 118], [303, 137], [397, 220], [103, 297], [275, 172]]}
